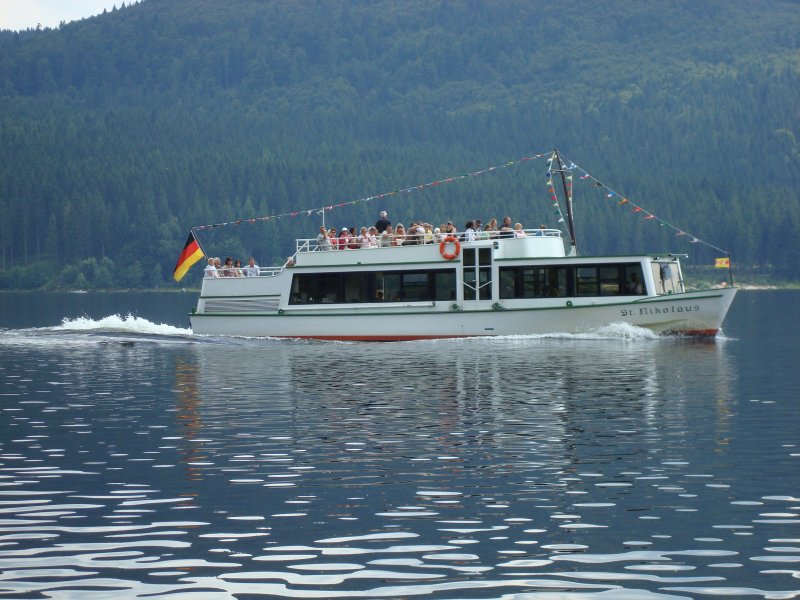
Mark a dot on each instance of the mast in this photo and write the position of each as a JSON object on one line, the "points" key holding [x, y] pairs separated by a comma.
{"points": [[568, 201]]}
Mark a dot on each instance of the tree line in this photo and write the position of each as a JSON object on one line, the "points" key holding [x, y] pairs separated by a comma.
{"points": [[120, 132]]}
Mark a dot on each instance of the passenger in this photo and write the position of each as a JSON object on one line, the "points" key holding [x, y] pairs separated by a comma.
{"points": [[634, 285], [411, 235], [210, 270], [427, 237], [450, 229], [379, 296], [344, 237], [491, 228], [507, 229], [438, 236], [289, 262], [420, 233], [353, 243], [478, 227], [469, 232], [541, 230], [237, 268], [333, 240], [218, 265], [382, 223], [399, 235], [519, 232], [362, 236], [252, 269], [323, 243], [386, 237], [227, 270], [370, 240]]}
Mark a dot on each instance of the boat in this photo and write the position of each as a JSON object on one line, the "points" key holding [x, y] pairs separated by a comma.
{"points": [[523, 283]]}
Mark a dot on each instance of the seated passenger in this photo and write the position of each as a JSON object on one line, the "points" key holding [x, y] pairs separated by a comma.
{"points": [[438, 236], [519, 231], [353, 243], [252, 269], [541, 230], [362, 236], [634, 285], [237, 268], [227, 269], [507, 230], [323, 242], [332, 239], [469, 232], [427, 237], [344, 237], [370, 240], [399, 235], [210, 270], [387, 237], [410, 235], [491, 228]]}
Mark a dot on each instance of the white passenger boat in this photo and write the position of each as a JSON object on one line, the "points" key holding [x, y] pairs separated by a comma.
{"points": [[531, 282], [489, 287]]}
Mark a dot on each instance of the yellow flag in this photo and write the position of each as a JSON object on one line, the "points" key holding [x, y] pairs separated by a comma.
{"points": [[722, 263]]}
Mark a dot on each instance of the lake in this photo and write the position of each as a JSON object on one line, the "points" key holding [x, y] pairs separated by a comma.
{"points": [[138, 460]]}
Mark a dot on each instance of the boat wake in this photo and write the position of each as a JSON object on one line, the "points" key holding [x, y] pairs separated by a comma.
{"points": [[117, 324], [113, 328]]}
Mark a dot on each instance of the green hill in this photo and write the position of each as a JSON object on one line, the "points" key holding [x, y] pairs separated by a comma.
{"points": [[120, 132]]}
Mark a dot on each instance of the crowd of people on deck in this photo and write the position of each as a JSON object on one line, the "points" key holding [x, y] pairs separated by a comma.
{"points": [[231, 268], [383, 234]]}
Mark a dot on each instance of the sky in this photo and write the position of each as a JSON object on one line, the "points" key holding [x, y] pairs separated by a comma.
{"points": [[24, 14]]}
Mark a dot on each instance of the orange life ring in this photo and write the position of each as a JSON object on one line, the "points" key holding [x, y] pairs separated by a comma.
{"points": [[443, 248]]}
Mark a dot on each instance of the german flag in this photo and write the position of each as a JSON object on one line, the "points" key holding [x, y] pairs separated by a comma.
{"points": [[190, 255]]}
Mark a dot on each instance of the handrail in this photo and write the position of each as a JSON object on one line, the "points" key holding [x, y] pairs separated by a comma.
{"points": [[311, 244]]}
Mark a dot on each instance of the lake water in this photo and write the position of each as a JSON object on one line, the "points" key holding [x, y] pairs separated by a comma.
{"points": [[137, 460]]}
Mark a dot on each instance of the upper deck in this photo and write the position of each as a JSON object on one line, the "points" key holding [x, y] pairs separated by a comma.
{"points": [[537, 243]]}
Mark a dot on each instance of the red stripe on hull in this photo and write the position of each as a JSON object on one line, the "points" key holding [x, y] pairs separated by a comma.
{"points": [[362, 338], [694, 332]]}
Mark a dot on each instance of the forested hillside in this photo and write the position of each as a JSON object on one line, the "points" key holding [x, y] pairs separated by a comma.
{"points": [[120, 132]]}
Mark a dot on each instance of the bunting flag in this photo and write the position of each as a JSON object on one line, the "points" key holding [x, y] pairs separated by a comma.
{"points": [[648, 216], [191, 254], [408, 190], [722, 263]]}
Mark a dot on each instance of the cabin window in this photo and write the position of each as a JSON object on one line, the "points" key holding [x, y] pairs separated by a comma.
{"points": [[368, 286], [581, 281], [603, 280], [533, 282]]}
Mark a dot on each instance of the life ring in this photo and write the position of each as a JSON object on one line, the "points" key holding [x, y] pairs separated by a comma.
{"points": [[443, 248]]}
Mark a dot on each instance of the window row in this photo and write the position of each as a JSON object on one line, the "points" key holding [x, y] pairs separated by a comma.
{"points": [[380, 286], [568, 281]]}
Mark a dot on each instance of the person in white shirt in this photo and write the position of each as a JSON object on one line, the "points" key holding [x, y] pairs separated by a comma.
{"points": [[210, 270], [251, 270], [469, 232]]}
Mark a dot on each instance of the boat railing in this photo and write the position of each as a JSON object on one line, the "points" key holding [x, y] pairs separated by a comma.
{"points": [[304, 245], [233, 272]]}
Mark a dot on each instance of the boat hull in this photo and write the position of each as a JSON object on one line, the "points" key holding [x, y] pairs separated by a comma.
{"points": [[691, 313]]}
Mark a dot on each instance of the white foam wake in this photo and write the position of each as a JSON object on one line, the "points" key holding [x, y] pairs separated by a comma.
{"points": [[115, 323]]}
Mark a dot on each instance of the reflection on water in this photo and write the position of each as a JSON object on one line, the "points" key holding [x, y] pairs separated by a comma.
{"points": [[141, 465]]}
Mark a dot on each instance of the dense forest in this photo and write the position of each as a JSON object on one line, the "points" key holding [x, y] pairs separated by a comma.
{"points": [[120, 132]]}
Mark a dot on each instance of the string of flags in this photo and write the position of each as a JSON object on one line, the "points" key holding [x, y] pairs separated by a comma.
{"points": [[636, 209], [193, 252], [320, 209]]}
